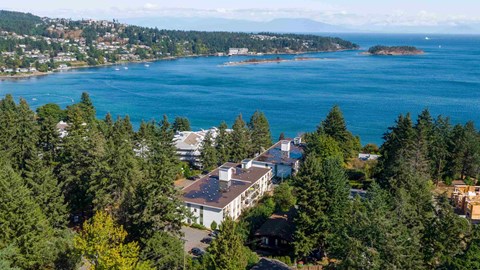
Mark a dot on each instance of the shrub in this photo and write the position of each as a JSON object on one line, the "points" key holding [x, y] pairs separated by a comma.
{"points": [[198, 226], [214, 225]]}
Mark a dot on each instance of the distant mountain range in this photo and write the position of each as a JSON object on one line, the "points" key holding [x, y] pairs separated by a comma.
{"points": [[220, 24], [292, 25]]}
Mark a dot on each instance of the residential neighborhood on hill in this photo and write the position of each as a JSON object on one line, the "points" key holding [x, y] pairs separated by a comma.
{"points": [[31, 44]]}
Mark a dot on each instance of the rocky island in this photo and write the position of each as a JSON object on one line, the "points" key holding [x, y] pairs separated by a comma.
{"points": [[393, 50]]}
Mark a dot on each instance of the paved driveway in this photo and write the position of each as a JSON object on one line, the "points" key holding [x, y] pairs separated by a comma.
{"points": [[193, 237]]}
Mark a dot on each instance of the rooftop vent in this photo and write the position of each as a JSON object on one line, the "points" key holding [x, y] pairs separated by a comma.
{"points": [[224, 177], [246, 164], [297, 140], [285, 146]]}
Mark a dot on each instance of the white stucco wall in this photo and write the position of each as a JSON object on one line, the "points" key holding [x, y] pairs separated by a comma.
{"points": [[209, 215]]}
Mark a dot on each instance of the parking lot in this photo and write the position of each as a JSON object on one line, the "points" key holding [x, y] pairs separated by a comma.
{"points": [[193, 238]]}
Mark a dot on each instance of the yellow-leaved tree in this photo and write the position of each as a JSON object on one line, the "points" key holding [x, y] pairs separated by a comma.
{"points": [[102, 246]]}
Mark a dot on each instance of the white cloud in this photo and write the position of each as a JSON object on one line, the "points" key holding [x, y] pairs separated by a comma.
{"points": [[336, 16], [149, 6]]}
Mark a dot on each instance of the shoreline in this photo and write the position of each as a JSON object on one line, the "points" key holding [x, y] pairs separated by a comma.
{"points": [[170, 58]]}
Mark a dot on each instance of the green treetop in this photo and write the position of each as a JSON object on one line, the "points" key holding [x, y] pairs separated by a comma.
{"points": [[181, 124], [260, 132], [222, 144], [208, 155], [240, 140]]}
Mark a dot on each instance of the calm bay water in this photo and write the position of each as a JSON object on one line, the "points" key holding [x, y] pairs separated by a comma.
{"points": [[295, 96]]}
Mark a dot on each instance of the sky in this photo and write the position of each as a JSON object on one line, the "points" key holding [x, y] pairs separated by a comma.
{"points": [[338, 12]]}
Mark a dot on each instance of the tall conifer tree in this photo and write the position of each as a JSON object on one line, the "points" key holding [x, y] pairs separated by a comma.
{"points": [[240, 140], [260, 133]]}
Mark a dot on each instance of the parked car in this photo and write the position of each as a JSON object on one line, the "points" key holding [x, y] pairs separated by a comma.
{"points": [[207, 240], [214, 234], [197, 251]]}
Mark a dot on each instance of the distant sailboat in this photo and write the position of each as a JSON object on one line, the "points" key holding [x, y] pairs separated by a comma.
{"points": [[439, 46], [427, 38], [125, 68], [147, 65], [117, 69], [34, 99]]}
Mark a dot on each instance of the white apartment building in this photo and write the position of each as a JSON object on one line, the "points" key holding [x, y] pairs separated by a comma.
{"points": [[189, 144], [226, 191], [237, 51], [283, 158]]}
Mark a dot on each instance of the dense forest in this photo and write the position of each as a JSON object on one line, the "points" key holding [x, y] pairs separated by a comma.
{"points": [[103, 196]]}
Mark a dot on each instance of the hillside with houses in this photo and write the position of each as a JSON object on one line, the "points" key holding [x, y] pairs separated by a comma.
{"points": [[31, 44]]}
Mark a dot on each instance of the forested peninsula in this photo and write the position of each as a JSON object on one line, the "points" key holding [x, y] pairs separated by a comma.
{"points": [[30, 44]]}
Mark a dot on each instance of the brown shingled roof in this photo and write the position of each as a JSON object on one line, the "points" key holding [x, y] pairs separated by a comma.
{"points": [[279, 225], [206, 191]]}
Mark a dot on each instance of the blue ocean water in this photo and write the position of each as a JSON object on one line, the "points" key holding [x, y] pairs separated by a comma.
{"points": [[371, 90]]}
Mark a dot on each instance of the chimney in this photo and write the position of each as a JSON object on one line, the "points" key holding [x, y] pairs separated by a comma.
{"points": [[224, 177], [247, 164], [285, 146], [297, 140]]}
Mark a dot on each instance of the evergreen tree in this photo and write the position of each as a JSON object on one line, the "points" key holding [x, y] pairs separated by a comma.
{"points": [[310, 205], [82, 150], [23, 143], [155, 205], [227, 251], [181, 124], [50, 110], [143, 140], [164, 251], [334, 126], [260, 133], [375, 239], [445, 235], [222, 142], [24, 227], [208, 155], [49, 140], [439, 148], [46, 191], [117, 171], [240, 140], [399, 140], [281, 136], [470, 259], [323, 146], [337, 188], [6, 255], [471, 154], [86, 105], [284, 197], [8, 120]]}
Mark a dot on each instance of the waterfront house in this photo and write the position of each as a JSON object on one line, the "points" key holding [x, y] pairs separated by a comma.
{"points": [[226, 192]]}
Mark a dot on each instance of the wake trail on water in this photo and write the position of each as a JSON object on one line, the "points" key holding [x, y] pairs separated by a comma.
{"points": [[109, 84]]}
